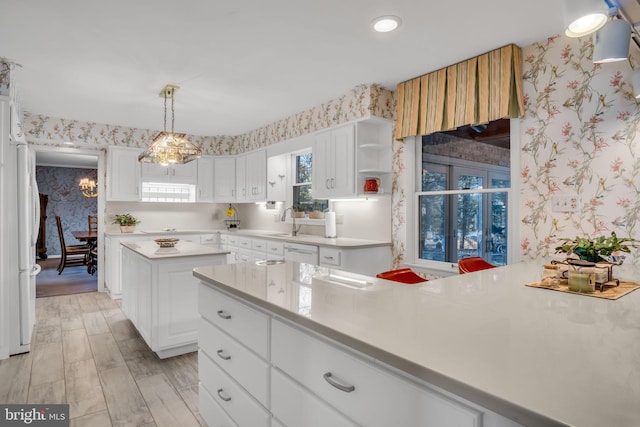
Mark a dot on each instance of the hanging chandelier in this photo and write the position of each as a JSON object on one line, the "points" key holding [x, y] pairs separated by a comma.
{"points": [[170, 147], [88, 188]]}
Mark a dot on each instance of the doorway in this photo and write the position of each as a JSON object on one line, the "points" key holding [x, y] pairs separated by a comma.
{"points": [[58, 173]]}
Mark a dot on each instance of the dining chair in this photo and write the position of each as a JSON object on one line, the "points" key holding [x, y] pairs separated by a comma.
{"points": [[93, 223], [473, 263], [72, 255]]}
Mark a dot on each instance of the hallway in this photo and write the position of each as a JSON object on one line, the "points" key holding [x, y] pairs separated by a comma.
{"points": [[73, 280]]}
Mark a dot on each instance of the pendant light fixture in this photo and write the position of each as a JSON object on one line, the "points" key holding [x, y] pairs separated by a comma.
{"points": [[88, 188], [170, 147]]}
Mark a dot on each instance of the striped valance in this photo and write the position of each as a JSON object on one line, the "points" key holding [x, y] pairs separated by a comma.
{"points": [[479, 90]]}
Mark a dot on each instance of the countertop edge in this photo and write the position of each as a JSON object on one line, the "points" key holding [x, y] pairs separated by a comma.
{"points": [[500, 406]]}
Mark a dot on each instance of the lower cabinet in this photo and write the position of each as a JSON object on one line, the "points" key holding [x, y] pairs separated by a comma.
{"points": [[160, 297], [257, 369]]}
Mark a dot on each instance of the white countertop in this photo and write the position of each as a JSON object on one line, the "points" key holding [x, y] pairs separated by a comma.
{"points": [[537, 356], [345, 242], [150, 249]]}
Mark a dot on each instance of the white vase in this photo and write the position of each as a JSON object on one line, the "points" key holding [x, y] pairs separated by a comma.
{"points": [[127, 228]]}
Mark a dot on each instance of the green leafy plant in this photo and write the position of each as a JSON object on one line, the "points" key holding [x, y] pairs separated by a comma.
{"points": [[597, 249], [126, 219]]}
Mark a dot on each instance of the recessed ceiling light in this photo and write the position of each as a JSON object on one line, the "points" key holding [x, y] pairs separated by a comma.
{"points": [[384, 24]]}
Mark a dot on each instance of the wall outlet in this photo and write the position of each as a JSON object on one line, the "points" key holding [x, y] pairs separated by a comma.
{"points": [[563, 203]]}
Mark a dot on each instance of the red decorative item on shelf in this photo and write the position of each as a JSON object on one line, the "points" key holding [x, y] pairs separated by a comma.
{"points": [[371, 185]]}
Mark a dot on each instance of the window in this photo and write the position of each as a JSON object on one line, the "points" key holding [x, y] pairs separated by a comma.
{"points": [[462, 209], [303, 200]]}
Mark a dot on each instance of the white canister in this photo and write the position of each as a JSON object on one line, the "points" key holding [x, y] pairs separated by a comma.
{"points": [[330, 224]]}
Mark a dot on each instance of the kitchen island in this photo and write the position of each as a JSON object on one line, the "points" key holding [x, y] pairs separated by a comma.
{"points": [[160, 294], [485, 349]]}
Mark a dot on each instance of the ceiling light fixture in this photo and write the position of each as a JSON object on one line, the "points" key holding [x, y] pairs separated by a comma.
{"points": [[170, 147], [611, 42], [384, 24], [88, 188], [583, 17]]}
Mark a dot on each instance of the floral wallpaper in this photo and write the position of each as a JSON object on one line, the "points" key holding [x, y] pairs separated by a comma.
{"points": [[578, 139], [361, 102], [65, 200]]}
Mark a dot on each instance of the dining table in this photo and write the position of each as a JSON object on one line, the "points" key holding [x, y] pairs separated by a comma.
{"points": [[91, 237]]}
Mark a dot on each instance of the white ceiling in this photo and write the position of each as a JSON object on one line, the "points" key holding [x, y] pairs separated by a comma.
{"points": [[241, 64]]}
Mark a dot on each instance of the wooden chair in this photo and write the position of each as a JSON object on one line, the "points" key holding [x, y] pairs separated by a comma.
{"points": [[471, 264], [93, 223], [73, 255]]}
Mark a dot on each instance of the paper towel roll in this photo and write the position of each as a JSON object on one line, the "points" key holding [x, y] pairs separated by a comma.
{"points": [[330, 224]]}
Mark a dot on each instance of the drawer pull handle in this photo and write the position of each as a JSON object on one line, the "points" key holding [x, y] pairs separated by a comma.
{"points": [[328, 257], [223, 356], [223, 397], [224, 314], [346, 388]]}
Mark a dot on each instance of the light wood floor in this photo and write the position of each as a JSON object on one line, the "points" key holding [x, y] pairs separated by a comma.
{"points": [[86, 353]]}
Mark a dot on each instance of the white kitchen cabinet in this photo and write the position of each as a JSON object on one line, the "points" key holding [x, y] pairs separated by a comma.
{"points": [[296, 406], [211, 411], [204, 192], [224, 179], [352, 383], [175, 173], [241, 178], [113, 262], [334, 163], [310, 380], [277, 171], [251, 176], [123, 174], [374, 153], [367, 260], [160, 297]]}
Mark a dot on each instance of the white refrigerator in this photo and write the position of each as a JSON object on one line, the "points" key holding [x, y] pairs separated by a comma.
{"points": [[20, 211]]}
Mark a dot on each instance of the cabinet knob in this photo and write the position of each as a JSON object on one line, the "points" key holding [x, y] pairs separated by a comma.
{"points": [[330, 379], [222, 396], [223, 314]]}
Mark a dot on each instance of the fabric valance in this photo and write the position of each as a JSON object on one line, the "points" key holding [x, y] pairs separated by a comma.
{"points": [[478, 90]]}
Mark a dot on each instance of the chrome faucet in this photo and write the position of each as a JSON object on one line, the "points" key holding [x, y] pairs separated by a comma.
{"points": [[294, 229]]}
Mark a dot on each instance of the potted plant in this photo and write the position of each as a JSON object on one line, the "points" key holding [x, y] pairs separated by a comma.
{"points": [[316, 213], [601, 248], [299, 211], [127, 222]]}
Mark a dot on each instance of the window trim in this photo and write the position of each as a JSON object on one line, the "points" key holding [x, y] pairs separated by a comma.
{"points": [[413, 177]]}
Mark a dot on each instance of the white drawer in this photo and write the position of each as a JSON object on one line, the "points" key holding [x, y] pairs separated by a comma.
{"points": [[275, 248], [244, 366], [295, 406], [232, 240], [229, 395], [363, 392], [211, 412], [244, 242], [244, 255], [209, 239], [224, 238], [245, 324], [331, 257], [259, 245]]}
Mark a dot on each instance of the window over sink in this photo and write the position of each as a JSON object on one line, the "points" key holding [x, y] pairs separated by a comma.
{"points": [[303, 200]]}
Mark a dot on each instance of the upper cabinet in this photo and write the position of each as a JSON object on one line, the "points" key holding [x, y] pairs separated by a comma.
{"points": [[346, 157], [183, 174], [224, 179], [374, 139], [123, 174], [251, 176], [277, 167], [334, 163], [204, 192]]}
